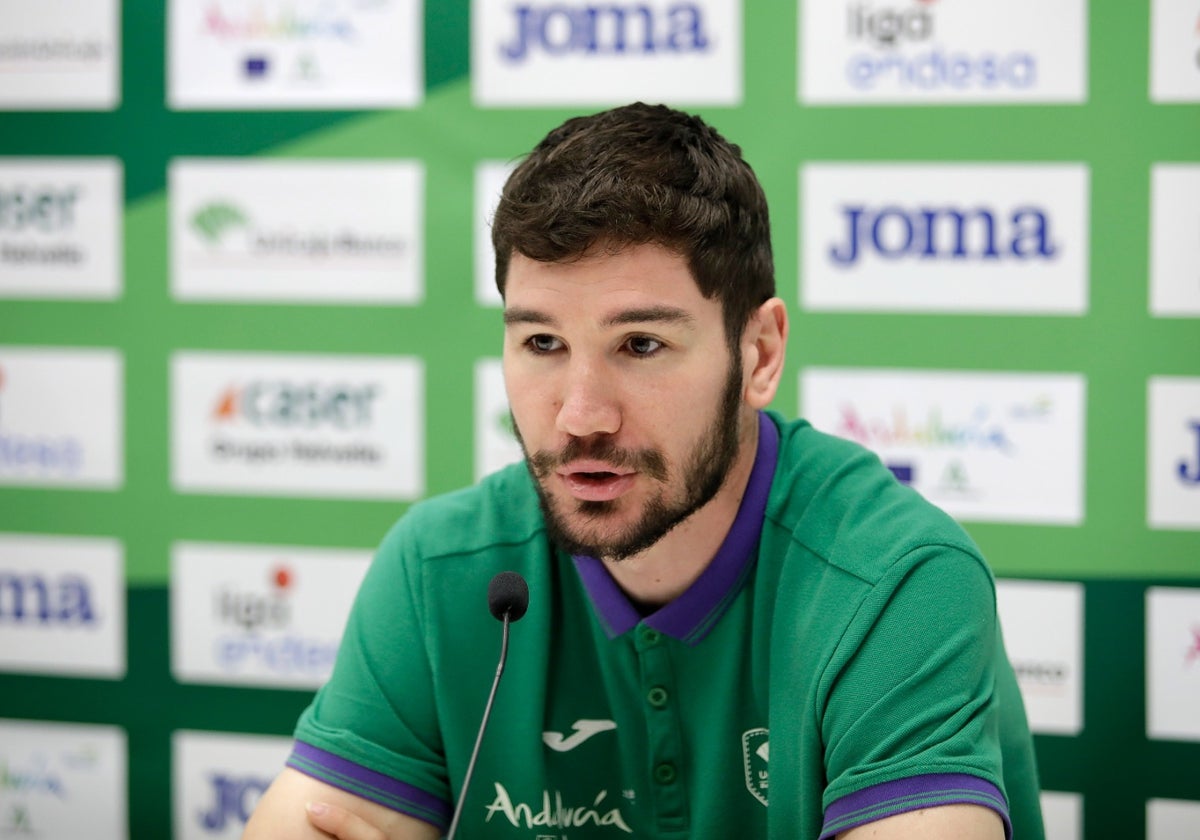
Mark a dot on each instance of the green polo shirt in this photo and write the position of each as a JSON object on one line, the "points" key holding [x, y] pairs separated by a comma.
{"points": [[839, 661]]}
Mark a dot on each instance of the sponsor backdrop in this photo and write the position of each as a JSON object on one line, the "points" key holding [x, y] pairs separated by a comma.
{"points": [[246, 319]]}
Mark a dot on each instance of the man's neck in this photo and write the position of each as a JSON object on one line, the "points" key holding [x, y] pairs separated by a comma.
{"points": [[664, 571]]}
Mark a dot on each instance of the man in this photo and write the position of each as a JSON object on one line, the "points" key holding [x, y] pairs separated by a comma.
{"points": [[738, 626]]}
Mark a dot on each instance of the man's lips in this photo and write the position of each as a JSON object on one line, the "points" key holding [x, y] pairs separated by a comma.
{"points": [[593, 481]]}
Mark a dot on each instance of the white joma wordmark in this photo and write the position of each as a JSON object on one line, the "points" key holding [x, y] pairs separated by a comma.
{"points": [[584, 729]]}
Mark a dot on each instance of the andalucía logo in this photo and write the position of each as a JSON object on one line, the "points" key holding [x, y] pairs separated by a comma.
{"points": [[611, 29], [887, 29], [925, 233], [319, 22]]}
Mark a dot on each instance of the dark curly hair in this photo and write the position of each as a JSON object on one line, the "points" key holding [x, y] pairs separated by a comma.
{"points": [[640, 174]]}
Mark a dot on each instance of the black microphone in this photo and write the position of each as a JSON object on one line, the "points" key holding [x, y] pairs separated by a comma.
{"points": [[508, 598]]}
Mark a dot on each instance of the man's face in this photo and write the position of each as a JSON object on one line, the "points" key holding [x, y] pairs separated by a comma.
{"points": [[624, 393]]}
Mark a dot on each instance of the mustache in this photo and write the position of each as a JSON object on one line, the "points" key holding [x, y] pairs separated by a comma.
{"points": [[647, 461]]}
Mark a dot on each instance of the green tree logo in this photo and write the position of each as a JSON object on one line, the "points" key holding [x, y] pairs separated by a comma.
{"points": [[215, 218]]}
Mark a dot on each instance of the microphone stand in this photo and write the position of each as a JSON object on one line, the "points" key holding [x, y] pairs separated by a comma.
{"points": [[487, 711]]}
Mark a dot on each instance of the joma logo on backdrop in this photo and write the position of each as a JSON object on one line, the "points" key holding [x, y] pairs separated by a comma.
{"points": [[892, 233], [610, 29], [1190, 473], [36, 599], [234, 798], [292, 405]]}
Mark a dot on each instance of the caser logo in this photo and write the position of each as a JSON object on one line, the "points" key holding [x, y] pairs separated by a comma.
{"points": [[610, 29], [294, 405], [938, 233], [37, 599]]}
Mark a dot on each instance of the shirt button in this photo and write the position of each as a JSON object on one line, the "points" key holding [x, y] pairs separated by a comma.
{"points": [[657, 697], [650, 636], [664, 773]]}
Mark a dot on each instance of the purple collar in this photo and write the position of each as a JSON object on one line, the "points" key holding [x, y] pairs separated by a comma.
{"points": [[690, 616]]}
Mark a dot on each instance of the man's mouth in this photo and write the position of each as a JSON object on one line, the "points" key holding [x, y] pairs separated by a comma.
{"points": [[594, 484]]}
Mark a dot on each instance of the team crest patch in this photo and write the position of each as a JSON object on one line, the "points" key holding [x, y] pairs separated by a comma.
{"points": [[755, 756]]}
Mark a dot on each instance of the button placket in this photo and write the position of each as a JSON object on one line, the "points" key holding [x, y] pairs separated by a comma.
{"points": [[663, 730]]}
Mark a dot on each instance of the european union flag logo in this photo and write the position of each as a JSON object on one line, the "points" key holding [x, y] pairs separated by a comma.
{"points": [[903, 472], [256, 66]]}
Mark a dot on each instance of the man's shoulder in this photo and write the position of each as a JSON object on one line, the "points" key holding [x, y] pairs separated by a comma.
{"points": [[500, 510], [842, 505]]}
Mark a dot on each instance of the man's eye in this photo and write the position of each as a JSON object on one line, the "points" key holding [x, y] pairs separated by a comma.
{"points": [[641, 345], [543, 343]]}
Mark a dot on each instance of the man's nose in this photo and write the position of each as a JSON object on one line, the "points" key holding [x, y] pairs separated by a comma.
{"points": [[590, 404]]}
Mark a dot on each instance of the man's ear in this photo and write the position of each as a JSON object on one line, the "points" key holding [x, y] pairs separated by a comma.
{"points": [[764, 345]]}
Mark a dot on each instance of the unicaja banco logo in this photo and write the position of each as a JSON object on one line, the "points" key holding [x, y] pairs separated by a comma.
{"points": [[214, 219], [611, 29]]}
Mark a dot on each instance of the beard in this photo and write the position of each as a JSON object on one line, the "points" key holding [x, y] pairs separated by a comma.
{"points": [[703, 474]]}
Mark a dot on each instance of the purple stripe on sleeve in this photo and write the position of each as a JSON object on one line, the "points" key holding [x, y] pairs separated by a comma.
{"points": [[361, 781], [897, 797]]}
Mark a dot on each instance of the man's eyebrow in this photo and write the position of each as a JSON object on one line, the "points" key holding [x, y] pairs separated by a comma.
{"points": [[651, 314], [642, 315], [518, 315]]}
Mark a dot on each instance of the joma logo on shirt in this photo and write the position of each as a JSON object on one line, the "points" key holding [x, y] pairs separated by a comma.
{"points": [[557, 814]]}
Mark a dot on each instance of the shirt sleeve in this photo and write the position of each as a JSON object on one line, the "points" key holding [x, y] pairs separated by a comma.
{"points": [[911, 719], [372, 729]]}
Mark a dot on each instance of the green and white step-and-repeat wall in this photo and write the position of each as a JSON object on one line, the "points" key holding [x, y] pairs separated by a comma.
{"points": [[246, 319]]}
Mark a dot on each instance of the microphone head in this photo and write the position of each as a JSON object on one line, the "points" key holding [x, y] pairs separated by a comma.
{"points": [[508, 596]]}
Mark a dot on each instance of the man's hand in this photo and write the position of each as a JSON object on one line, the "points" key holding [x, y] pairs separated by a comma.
{"points": [[945, 822], [283, 813], [340, 823]]}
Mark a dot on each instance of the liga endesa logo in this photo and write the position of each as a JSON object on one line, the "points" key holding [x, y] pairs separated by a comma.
{"points": [[929, 50], [883, 29], [256, 633]]}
